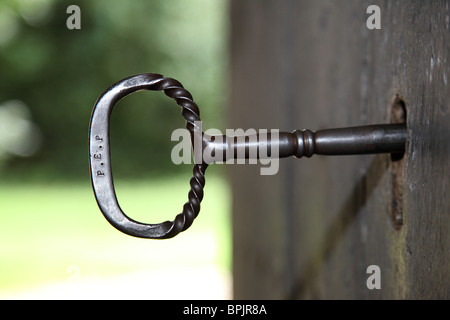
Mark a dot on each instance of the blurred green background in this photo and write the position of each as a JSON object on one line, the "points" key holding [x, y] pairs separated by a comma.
{"points": [[54, 242]]}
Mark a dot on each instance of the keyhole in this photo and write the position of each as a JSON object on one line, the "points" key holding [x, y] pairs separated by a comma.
{"points": [[398, 115]]}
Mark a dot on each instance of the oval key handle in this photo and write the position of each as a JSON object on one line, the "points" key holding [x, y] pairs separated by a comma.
{"points": [[100, 157]]}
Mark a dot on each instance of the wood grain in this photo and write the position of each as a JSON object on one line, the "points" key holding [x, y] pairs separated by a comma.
{"points": [[312, 230]]}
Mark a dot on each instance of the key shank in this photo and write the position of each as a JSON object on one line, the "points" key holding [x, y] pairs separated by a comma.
{"points": [[383, 138]]}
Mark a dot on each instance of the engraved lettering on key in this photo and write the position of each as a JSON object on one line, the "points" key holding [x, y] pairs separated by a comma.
{"points": [[98, 138], [100, 173], [97, 156]]}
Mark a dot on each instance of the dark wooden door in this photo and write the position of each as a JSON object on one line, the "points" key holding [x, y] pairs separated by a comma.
{"points": [[314, 229]]}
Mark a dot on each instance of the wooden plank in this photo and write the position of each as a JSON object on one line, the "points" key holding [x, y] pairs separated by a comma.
{"points": [[312, 230], [255, 103]]}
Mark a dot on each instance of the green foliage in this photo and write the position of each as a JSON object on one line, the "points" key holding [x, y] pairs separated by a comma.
{"points": [[59, 73]]}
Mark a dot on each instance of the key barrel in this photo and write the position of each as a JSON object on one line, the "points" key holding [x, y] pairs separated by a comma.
{"points": [[382, 138]]}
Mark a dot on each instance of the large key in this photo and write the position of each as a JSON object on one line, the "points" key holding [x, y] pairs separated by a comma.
{"points": [[382, 138]]}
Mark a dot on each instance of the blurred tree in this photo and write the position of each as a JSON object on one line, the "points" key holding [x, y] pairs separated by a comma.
{"points": [[59, 73]]}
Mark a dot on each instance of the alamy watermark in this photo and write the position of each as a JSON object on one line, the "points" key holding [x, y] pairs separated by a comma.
{"points": [[374, 20], [374, 280], [73, 22], [236, 146]]}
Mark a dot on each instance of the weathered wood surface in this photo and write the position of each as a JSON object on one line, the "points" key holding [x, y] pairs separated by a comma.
{"points": [[312, 230]]}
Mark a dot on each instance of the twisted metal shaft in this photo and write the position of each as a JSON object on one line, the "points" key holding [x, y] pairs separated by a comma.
{"points": [[191, 113]]}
